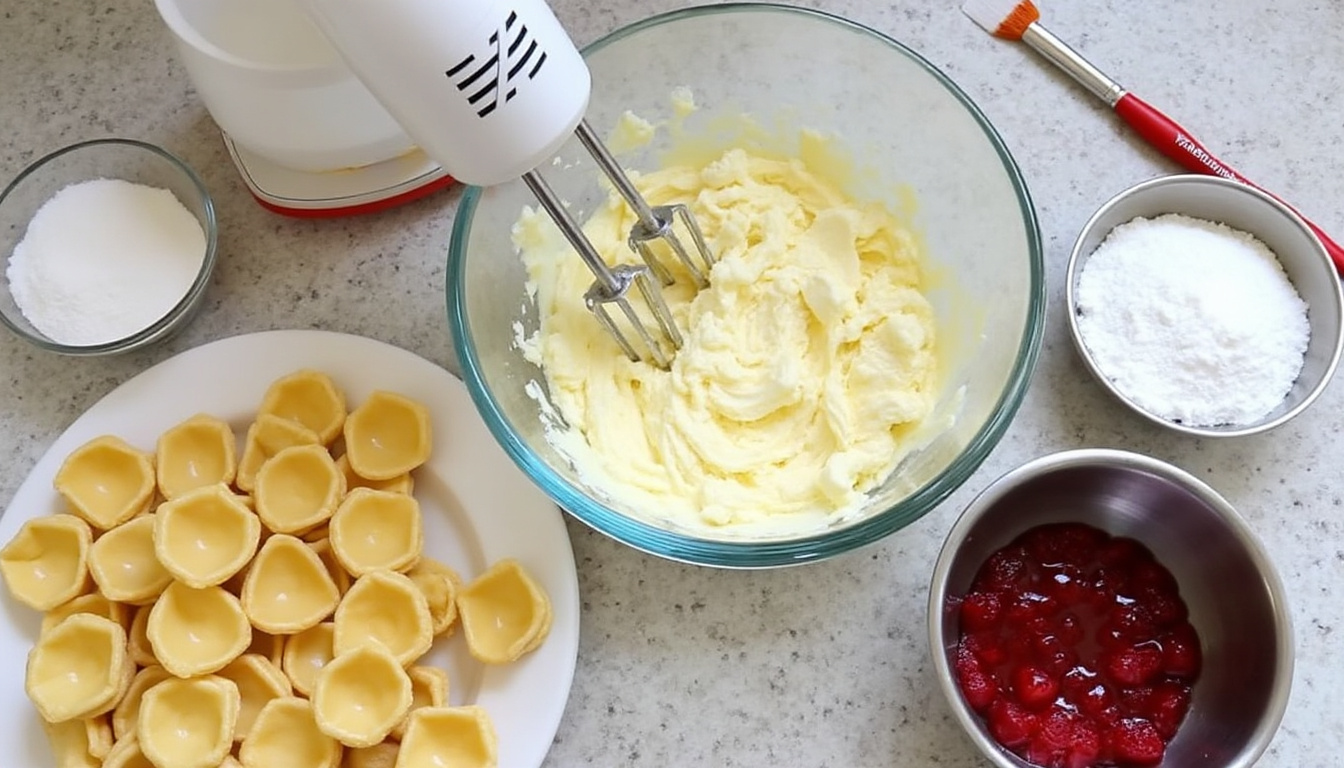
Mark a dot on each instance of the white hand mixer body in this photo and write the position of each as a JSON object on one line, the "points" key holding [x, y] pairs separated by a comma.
{"points": [[491, 89]]}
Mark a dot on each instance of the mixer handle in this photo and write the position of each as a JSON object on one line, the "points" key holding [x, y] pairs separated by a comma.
{"points": [[489, 89]]}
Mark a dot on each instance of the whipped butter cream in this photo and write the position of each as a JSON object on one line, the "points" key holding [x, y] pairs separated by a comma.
{"points": [[807, 362]]}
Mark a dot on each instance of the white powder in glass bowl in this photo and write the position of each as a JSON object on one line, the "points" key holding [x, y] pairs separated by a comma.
{"points": [[104, 259], [1194, 321]]}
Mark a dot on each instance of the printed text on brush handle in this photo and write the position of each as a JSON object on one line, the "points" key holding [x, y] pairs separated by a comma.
{"points": [[1175, 142]]}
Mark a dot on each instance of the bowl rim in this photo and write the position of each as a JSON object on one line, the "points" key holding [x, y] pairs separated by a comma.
{"points": [[727, 553], [161, 326], [1077, 258], [1259, 739]]}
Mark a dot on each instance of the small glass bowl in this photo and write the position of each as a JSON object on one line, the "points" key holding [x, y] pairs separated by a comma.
{"points": [[113, 158]]}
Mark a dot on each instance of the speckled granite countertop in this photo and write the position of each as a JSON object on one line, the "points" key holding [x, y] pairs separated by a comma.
{"points": [[824, 665]]}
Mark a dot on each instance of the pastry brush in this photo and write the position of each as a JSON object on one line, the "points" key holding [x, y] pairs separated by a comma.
{"points": [[1020, 20]]}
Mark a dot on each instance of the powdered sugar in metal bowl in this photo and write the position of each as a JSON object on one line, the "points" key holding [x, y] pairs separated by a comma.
{"points": [[1193, 320]]}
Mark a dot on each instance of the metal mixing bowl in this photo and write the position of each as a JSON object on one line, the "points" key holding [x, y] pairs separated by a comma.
{"points": [[1235, 598], [1247, 209], [127, 159], [918, 144]]}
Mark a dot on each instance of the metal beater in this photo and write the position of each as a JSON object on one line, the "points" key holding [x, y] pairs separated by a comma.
{"points": [[490, 90]]}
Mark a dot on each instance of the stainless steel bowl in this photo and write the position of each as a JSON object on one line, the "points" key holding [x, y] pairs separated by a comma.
{"points": [[1245, 208], [1235, 598]]}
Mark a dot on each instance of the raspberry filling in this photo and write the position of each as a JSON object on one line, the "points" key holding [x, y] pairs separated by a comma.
{"points": [[1076, 649]]}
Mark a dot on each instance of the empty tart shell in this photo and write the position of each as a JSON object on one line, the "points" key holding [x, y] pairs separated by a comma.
{"points": [[440, 585], [98, 734], [79, 668], [429, 688], [504, 612], [306, 654], [387, 435], [384, 607], [137, 640], [268, 435], [69, 741], [286, 734], [124, 564], [205, 536], [92, 602], [106, 481], [361, 695], [403, 483], [126, 753], [287, 588], [339, 576], [127, 712], [188, 723], [310, 398], [197, 631], [298, 489], [47, 562], [198, 452], [258, 682], [377, 530], [463, 737]]}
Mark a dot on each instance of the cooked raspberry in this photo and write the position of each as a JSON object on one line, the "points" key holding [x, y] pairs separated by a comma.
{"points": [[978, 687], [1120, 551], [1181, 654], [1151, 576], [1166, 611], [1034, 687], [1095, 700], [981, 610], [1133, 623], [1085, 748], [1135, 740], [1101, 596], [1110, 637], [1005, 569], [986, 647], [1053, 654], [1028, 606], [1069, 628], [1134, 665], [1063, 543], [1167, 707], [1135, 701], [1010, 723], [1067, 583], [1108, 718]]}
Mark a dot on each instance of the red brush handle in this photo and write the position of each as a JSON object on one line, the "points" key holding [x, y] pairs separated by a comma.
{"points": [[1176, 143]]}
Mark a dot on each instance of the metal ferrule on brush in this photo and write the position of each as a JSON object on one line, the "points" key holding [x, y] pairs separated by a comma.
{"points": [[1061, 55]]}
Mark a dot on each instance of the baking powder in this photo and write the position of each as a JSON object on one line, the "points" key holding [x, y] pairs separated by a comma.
{"points": [[1194, 321], [104, 259]]}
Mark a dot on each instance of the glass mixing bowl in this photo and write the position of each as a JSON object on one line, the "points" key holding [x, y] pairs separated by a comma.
{"points": [[915, 141]]}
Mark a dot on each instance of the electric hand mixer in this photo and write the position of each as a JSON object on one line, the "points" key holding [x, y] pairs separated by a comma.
{"points": [[492, 89]]}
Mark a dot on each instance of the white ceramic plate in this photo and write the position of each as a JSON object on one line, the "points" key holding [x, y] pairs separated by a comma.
{"points": [[478, 508]]}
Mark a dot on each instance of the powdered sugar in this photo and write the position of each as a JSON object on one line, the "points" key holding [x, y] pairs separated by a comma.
{"points": [[1195, 321], [104, 259]]}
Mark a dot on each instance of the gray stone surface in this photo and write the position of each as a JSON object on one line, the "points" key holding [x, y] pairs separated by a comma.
{"points": [[824, 665]]}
